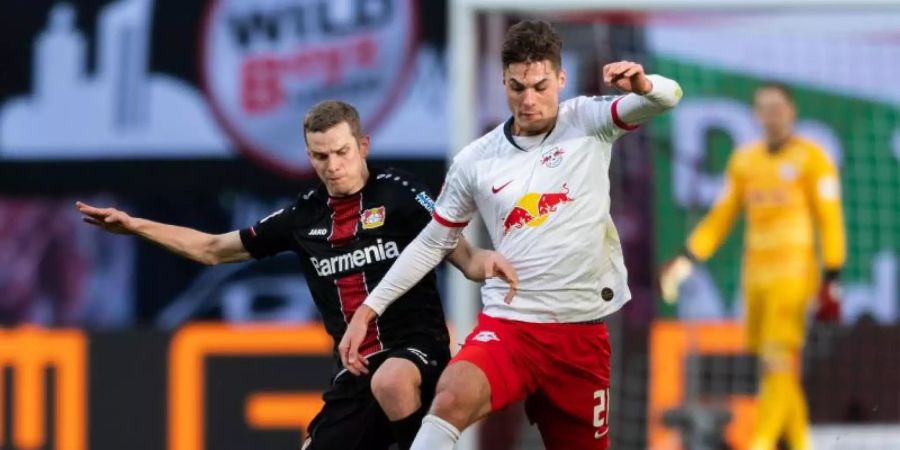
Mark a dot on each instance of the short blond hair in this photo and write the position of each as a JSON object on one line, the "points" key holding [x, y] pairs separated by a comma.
{"points": [[329, 113]]}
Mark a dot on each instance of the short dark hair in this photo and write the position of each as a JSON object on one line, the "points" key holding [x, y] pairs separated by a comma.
{"points": [[329, 113], [776, 86], [532, 41]]}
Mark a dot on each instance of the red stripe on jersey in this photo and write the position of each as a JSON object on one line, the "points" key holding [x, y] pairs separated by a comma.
{"points": [[618, 120], [447, 222], [344, 219], [352, 289]]}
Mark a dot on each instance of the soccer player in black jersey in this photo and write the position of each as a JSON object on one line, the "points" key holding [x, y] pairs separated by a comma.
{"points": [[347, 233]]}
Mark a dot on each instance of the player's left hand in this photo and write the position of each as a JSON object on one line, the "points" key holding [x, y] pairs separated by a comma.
{"points": [[495, 265], [627, 76], [829, 307], [353, 338]]}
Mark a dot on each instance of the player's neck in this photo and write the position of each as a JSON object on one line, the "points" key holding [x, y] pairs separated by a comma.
{"points": [[516, 131], [775, 143]]}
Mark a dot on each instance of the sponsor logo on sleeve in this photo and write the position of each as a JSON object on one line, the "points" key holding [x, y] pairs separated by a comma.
{"points": [[425, 201]]}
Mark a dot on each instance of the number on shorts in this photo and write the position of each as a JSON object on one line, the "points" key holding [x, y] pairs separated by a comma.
{"points": [[601, 409]]}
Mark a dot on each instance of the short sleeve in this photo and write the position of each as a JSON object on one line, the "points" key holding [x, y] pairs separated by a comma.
{"points": [[599, 116], [456, 203], [270, 235]]}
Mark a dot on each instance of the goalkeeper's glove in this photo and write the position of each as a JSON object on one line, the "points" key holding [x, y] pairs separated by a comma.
{"points": [[673, 273], [829, 307]]}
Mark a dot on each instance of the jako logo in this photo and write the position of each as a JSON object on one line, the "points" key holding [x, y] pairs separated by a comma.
{"points": [[266, 63], [355, 259]]}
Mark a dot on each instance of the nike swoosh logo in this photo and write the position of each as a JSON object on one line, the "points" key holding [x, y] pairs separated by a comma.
{"points": [[498, 189]]}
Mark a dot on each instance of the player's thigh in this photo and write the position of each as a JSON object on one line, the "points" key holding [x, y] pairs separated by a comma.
{"points": [[463, 394], [783, 325], [574, 424], [413, 368], [572, 406], [350, 419], [754, 310], [490, 356], [396, 385]]}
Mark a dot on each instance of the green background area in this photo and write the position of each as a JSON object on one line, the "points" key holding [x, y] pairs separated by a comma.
{"points": [[870, 172]]}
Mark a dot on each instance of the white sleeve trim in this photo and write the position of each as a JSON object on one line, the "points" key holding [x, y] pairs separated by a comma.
{"points": [[633, 109], [422, 255]]}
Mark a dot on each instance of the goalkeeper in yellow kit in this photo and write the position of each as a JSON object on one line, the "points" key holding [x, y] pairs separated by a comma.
{"points": [[789, 189]]}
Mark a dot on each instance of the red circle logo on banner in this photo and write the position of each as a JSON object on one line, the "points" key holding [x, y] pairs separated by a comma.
{"points": [[265, 63]]}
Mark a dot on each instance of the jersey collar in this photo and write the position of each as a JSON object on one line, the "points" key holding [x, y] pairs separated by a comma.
{"points": [[507, 131]]}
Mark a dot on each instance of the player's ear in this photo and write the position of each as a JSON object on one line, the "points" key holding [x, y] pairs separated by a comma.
{"points": [[792, 110], [364, 142], [562, 78]]}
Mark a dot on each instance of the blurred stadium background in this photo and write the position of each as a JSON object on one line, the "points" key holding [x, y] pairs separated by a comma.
{"points": [[189, 112]]}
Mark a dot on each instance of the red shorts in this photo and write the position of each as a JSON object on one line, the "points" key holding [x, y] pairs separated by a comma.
{"points": [[562, 370]]}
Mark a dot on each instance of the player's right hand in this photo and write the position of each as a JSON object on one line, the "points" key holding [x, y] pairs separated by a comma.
{"points": [[674, 273], [110, 219], [353, 338]]}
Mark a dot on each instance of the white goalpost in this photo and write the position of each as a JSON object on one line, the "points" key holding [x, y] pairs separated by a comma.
{"points": [[466, 93]]}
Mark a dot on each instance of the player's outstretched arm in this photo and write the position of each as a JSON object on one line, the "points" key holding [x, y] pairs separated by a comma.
{"points": [[707, 236], [195, 245], [651, 94], [824, 187]]}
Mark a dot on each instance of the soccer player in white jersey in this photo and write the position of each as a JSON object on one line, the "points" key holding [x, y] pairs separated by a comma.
{"points": [[541, 184]]}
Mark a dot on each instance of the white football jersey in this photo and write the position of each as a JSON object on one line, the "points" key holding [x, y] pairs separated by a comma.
{"points": [[547, 211]]}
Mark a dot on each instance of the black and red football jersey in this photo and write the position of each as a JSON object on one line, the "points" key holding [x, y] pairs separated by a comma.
{"points": [[347, 244]]}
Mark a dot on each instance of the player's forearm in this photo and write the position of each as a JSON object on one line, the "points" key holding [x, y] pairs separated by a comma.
{"points": [[461, 255], [715, 226], [182, 241], [705, 240], [422, 255], [709, 234], [635, 109], [833, 239], [465, 257]]}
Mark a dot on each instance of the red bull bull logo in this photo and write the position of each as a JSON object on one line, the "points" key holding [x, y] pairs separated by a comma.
{"points": [[533, 209]]}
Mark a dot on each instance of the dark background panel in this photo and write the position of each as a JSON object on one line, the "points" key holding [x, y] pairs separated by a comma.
{"points": [[127, 396], [173, 178], [230, 380]]}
